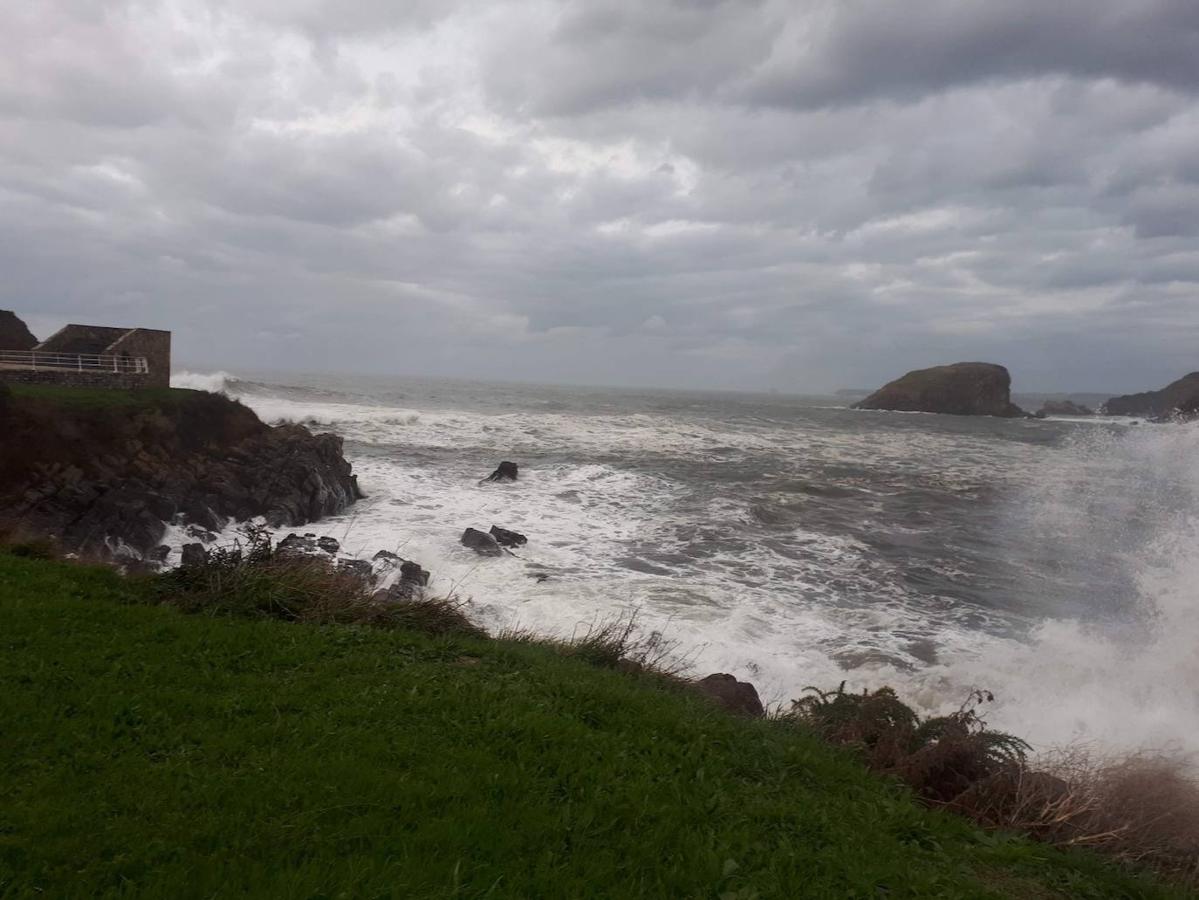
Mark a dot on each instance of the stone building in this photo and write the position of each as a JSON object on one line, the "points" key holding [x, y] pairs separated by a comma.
{"points": [[93, 356]]}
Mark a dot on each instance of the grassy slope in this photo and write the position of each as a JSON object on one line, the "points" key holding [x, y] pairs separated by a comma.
{"points": [[147, 753], [99, 398]]}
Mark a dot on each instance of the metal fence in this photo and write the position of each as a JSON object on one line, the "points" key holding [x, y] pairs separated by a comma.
{"points": [[73, 362]]}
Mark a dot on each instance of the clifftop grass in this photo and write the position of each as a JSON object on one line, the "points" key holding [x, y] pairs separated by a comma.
{"points": [[146, 753]]}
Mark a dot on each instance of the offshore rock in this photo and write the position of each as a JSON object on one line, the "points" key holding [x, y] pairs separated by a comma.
{"points": [[506, 538], [1178, 399], [506, 471], [481, 542], [1062, 408], [960, 389]]}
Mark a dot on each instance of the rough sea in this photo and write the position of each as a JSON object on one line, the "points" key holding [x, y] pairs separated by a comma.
{"points": [[792, 542]]}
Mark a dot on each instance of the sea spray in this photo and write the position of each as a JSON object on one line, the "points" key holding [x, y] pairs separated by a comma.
{"points": [[1123, 671]]}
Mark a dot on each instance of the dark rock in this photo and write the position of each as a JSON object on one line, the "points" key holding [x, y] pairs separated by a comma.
{"points": [[297, 545], [160, 553], [506, 538], [14, 334], [739, 697], [103, 479], [386, 554], [507, 471], [193, 555], [1179, 398], [961, 389], [357, 567], [1062, 408], [482, 543], [413, 574], [328, 544]]}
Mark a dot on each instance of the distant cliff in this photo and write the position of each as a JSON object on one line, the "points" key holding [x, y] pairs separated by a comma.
{"points": [[106, 470], [960, 389], [1181, 396]]}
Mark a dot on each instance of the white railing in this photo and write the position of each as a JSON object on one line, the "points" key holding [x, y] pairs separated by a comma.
{"points": [[76, 362]]}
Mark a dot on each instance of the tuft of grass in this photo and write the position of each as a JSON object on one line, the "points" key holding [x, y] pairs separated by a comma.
{"points": [[251, 579], [162, 755]]}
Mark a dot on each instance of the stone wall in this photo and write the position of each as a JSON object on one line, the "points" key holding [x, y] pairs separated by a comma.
{"points": [[155, 346], [124, 381]]}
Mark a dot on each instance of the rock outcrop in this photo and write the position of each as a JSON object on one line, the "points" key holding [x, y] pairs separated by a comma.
{"points": [[481, 542], [739, 697], [505, 471], [106, 476], [14, 334], [1180, 397], [507, 538], [961, 389], [1063, 408]]}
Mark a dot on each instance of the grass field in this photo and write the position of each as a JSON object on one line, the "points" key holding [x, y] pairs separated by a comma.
{"points": [[147, 753]]}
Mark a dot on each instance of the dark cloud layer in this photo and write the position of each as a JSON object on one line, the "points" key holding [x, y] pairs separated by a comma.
{"points": [[735, 193]]}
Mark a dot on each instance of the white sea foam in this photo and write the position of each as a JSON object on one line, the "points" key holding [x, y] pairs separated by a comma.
{"points": [[831, 608], [215, 382]]}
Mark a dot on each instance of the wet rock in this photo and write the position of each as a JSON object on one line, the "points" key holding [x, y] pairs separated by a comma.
{"points": [[193, 555], [328, 544], [507, 471], [481, 542], [357, 567], [387, 555], [160, 553], [506, 538], [297, 545], [738, 697], [413, 574]]}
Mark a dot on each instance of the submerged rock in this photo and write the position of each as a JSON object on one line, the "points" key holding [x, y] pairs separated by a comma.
{"points": [[738, 697], [506, 538], [961, 389], [481, 542], [507, 471]]}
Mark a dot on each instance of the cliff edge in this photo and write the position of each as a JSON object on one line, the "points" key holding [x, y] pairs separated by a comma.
{"points": [[105, 471]]}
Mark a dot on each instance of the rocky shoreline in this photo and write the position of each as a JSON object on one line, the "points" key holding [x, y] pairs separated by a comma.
{"points": [[106, 479]]}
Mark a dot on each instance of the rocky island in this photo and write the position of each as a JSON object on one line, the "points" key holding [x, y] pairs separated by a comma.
{"points": [[960, 389], [1179, 397]]}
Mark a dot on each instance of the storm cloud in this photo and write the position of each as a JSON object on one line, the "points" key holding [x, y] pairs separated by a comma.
{"points": [[725, 193]]}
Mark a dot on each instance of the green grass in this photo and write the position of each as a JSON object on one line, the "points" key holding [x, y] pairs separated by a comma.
{"points": [[100, 398], [148, 753]]}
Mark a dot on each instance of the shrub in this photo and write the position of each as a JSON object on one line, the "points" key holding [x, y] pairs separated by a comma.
{"points": [[939, 758]]}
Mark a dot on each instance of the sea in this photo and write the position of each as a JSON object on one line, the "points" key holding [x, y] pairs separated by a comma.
{"points": [[794, 542]]}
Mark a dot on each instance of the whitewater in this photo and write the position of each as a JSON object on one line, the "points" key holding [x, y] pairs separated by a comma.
{"points": [[793, 542]]}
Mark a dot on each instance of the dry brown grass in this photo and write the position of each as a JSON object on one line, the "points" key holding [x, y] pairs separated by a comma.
{"points": [[1142, 808]]}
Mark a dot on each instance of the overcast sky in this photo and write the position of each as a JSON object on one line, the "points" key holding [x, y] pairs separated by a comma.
{"points": [[726, 193]]}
